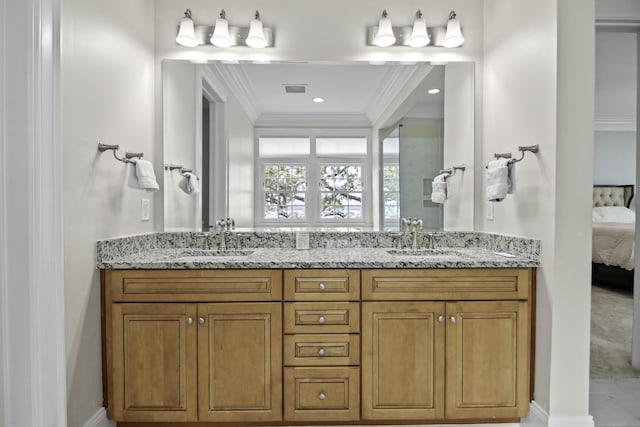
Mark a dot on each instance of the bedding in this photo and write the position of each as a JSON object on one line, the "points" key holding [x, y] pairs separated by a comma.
{"points": [[613, 236], [613, 244]]}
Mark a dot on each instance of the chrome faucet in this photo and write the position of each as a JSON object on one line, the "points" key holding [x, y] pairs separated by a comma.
{"points": [[224, 225], [415, 225]]}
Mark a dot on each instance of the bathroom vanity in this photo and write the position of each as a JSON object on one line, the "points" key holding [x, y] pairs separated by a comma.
{"points": [[364, 335]]}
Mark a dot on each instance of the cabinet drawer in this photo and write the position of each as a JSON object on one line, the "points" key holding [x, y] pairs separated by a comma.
{"points": [[321, 394], [321, 350], [319, 317], [323, 285], [194, 285], [446, 284]]}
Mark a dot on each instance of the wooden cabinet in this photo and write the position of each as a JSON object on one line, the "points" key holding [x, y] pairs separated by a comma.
{"points": [[197, 361], [446, 359], [317, 346], [322, 345]]}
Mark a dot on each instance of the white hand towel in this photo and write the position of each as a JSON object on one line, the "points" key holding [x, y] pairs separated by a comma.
{"points": [[511, 169], [439, 188], [142, 176], [497, 180], [189, 183]]}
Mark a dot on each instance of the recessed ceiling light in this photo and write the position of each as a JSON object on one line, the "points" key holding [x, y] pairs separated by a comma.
{"points": [[433, 91], [318, 99]]}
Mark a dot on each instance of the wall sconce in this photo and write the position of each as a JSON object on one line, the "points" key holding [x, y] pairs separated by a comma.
{"points": [[416, 35], [224, 35], [384, 36], [453, 36], [186, 33]]}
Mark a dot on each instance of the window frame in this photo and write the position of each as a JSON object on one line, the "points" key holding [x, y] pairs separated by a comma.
{"points": [[313, 163]]}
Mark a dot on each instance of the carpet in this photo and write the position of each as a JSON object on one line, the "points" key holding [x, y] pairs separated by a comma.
{"points": [[611, 319]]}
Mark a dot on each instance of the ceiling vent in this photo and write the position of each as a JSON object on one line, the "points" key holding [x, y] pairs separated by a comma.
{"points": [[288, 88]]}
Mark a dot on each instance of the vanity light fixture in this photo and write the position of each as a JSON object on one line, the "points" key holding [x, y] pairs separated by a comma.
{"points": [[416, 35], [186, 34], [256, 38], [220, 36], [453, 36], [385, 36], [224, 35], [419, 36]]}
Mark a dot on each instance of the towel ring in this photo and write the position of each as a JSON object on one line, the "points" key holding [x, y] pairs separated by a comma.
{"points": [[127, 155]]}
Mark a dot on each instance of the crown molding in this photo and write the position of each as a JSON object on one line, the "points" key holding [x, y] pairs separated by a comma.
{"points": [[313, 120], [239, 85], [393, 82]]}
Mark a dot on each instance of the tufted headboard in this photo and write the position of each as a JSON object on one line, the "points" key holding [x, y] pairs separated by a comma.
{"points": [[612, 195]]}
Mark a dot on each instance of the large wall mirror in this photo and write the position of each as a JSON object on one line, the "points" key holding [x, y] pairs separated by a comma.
{"points": [[317, 145]]}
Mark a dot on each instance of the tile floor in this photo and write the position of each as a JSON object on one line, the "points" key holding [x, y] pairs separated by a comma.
{"points": [[615, 402]]}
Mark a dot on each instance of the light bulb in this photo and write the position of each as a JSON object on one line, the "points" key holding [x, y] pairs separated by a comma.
{"points": [[220, 36], [186, 34], [453, 36], [256, 38], [385, 35]]}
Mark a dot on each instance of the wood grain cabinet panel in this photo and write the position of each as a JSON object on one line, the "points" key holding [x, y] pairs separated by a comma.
{"points": [[322, 285], [154, 362], [322, 394], [487, 359], [402, 360], [240, 362], [321, 349]]}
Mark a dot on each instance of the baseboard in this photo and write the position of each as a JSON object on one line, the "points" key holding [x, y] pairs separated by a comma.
{"points": [[538, 417], [99, 419]]}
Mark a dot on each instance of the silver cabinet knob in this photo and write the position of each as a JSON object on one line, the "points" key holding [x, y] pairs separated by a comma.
{"points": [[322, 319], [453, 319], [321, 352], [322, 396], [441, 319], [322, 286], [201, 320], [189, 320]]}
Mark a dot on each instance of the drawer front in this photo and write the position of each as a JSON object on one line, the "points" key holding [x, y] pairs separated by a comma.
{"points": [[321, 350], [447, 284], [195, 285], [323, 285], [322, 394], [320, 317]]}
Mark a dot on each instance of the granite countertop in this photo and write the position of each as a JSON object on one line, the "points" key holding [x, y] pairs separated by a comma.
{"points": [[462, 251]]}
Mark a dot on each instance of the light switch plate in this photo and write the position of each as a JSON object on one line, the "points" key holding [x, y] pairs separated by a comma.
{"points": [[490, 211], [145, 210]]}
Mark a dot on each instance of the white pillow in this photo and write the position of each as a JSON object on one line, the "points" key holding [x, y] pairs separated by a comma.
{"points": [[613, 214]]}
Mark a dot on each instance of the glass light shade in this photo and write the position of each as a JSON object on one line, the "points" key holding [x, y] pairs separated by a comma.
{"points": [[419, 36], [256, 38], [453, 36], [385, 35], [220, 36], [186, 34]]}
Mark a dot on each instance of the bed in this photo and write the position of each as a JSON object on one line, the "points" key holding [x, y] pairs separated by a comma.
{"points": [[613, 236]]}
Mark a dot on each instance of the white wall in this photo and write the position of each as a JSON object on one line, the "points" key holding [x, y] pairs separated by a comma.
{"points": [[459, 89], [108, 95], [179, 141], [536, 91], [614, 158]]}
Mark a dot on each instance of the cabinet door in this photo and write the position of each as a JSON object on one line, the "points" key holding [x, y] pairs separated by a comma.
{"points": [[240, 362], [403, 360], [154, 362], [487, 360]]}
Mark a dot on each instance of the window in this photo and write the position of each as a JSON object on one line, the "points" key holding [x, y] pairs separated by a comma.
{"points": [[316, 179]]}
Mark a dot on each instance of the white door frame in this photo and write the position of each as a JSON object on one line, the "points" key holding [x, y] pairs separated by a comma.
{"points": [[32, 329]]}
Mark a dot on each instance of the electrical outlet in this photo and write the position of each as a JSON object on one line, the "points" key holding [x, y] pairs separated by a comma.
{"points": [[145, 210], [490, 211]]}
